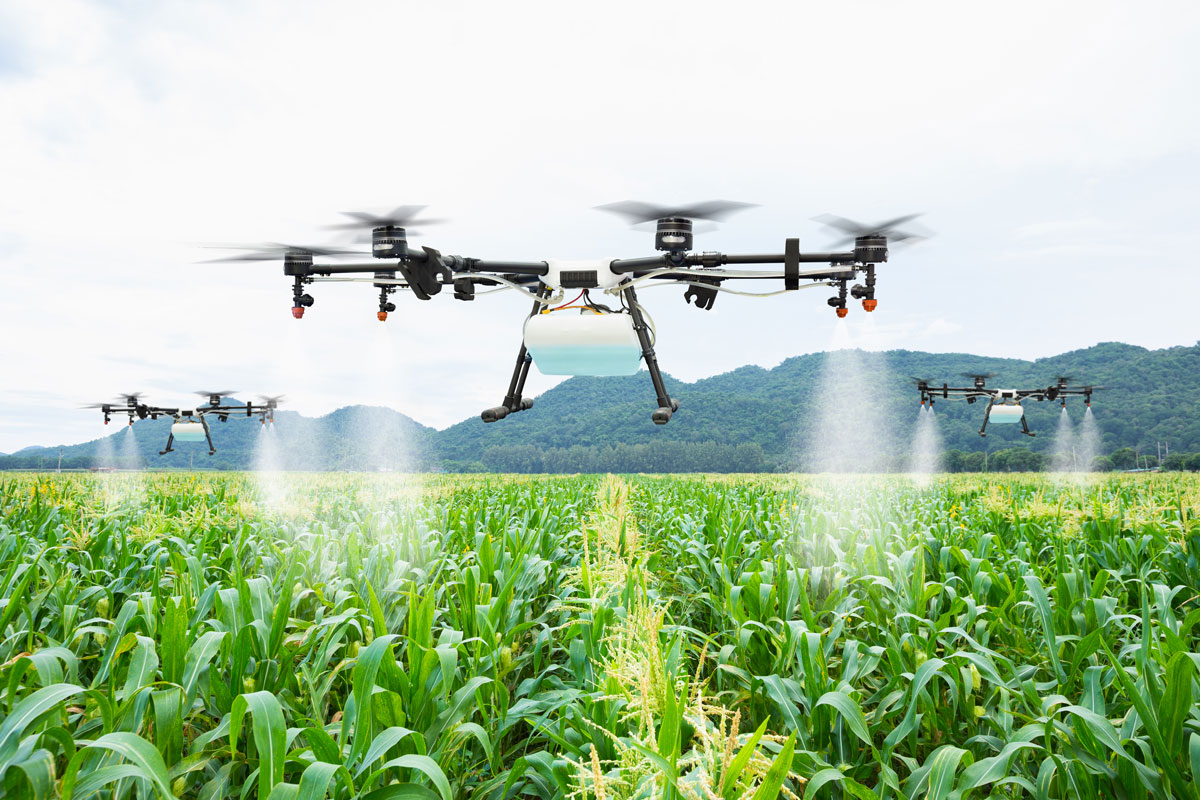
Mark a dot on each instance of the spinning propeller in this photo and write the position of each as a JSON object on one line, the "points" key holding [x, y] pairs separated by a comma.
{"points": [[275, 251], [674, 230], [638, 212], [214, 398], [398, 217], [854, 230]]}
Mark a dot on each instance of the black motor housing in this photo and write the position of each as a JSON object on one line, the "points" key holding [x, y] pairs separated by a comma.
{"points": [[389, 241], [673, 234]]}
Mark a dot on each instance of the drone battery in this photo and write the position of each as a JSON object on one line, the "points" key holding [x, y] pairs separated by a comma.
{"points": [[1006, 414], [188, 432], [583, 344]]}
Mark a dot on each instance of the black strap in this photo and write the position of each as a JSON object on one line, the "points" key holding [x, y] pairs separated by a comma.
{"points": [[791, 264]]}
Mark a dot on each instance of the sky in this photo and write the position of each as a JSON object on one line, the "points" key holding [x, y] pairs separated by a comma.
{"points": [[1052, 148]]}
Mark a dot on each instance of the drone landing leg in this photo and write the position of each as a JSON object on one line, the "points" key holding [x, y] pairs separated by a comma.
{"points": [[1025, 427], [986, 415], [513, 402], [208, 436], [666, 405], [170, 441]]}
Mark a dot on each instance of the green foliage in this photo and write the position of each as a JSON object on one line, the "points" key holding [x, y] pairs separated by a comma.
{"points": [[500, 637]]}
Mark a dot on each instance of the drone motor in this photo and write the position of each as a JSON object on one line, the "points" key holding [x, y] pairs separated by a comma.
{"points": [[389, 241], [673, 234]]}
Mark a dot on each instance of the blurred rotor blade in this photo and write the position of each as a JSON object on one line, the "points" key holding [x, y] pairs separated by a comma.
{"points": [[97, 405], [132, 397], [210, 395], [979, 375], [398, 217], [269, 399], [889, 228], [638, 212], [275, 251]]}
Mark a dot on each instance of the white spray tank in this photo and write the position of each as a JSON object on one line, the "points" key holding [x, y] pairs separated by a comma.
{"points": [[1006, 414], [565, 343], [188, 432]]}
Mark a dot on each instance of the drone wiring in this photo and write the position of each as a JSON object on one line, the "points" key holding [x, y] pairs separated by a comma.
{"points": [[566, 305]]}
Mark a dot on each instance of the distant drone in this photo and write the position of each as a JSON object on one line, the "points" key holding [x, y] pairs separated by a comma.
{"points": [[597, 339], [1004, 405], [190, 425]]}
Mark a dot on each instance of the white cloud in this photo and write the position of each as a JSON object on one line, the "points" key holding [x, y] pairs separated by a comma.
{"points": [[132, 131]]}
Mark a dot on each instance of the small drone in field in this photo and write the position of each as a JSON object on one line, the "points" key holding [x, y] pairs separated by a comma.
{"points": [[1004, 405], [607, 331], [191, 424]]}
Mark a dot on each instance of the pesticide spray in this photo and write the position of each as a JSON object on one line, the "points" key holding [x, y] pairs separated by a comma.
{"points": [[1088, 446], [268, 469], [849, 432], [927, 446], [1062, 457]]}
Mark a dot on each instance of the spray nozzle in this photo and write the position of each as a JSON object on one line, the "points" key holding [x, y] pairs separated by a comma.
{"points": [[842, 312]]}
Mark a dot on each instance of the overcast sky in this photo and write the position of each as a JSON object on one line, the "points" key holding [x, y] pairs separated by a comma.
{"points": [[1051, 146]]}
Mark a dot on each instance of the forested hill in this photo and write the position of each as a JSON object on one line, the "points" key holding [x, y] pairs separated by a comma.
{"points": [[1151, 396], [748, 419]]}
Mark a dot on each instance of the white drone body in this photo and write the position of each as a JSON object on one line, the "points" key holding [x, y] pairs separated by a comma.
{"points": [[562, 274]]}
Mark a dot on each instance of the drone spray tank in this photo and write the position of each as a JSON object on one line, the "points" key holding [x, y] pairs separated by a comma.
{"points": [[188, 432], [566, 343], [1006, 414]]}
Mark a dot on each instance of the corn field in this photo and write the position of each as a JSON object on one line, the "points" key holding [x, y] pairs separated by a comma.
{"points": [[598, 637]]}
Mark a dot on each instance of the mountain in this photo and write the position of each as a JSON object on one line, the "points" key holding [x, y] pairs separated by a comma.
{"points": [[1151, 396], [748, 419], [354, 437]]}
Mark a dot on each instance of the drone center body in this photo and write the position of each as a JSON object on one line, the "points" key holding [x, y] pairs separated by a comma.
{"points": [[581, 337]]}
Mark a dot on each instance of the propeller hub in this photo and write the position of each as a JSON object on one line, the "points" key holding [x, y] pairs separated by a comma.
{"points": [[673, 234], [297, 262], [870, 249], [389, 241]]}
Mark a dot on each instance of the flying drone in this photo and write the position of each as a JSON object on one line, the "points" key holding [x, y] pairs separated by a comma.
{"points": [[191, 424], [602, 329], [1004, 405]]}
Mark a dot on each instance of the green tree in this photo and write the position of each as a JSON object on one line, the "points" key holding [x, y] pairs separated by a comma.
{"points": [[1124, 458], [1175, 462]]}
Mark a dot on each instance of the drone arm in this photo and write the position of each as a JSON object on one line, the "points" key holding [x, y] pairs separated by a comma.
{"points": [[462, 264], [624, 266]]}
